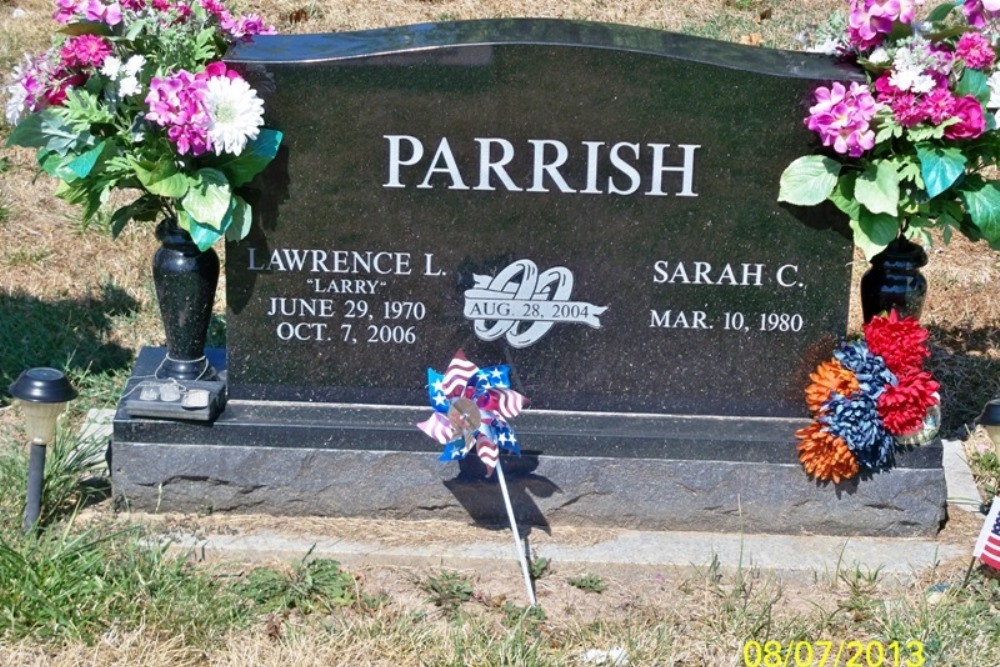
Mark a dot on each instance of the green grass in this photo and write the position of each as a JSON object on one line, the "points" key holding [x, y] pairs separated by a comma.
{"points": [[75, 473], [75, 585], [590, 583], [447, 590], [312, 586]]}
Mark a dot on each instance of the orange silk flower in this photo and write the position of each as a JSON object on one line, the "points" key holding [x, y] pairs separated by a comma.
{"points": [[825, 456], [828, 378]]}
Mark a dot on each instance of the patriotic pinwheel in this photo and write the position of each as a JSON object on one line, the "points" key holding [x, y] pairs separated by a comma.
{"points": [[471, 405]]}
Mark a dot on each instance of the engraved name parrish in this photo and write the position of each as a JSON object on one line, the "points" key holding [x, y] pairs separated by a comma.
{"points": [[620, 168]]}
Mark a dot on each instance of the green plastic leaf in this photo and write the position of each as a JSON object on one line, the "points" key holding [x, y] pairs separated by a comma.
{"points": [[143, 208], [56, 165], [941, 12], [843, 196], [86, 28], [975, 83], [82, 165], [877, 189], [255, 156], [208, 199], [940, 167], [861, 240], [983, 207], [808, 180], [46, 130], [203, 235], [881, 229], [29, 131], [161, 179], [239, 227]]}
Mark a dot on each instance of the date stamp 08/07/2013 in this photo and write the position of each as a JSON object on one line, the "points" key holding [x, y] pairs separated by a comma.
{"points": [[830, 653]]}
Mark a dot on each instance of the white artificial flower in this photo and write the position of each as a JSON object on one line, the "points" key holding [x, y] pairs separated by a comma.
{"points": [[879, 57], [134, 64], [129, 86], [112, 67], [235, 114], [830, 47], [994, 83], [923, 84], [17, 98]]}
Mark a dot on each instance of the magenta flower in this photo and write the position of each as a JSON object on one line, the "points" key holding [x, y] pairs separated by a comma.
{"points": [[84, 51], [975, 50], [842, 118], [108, 14], [980, 12], [217, 9], [26, 91], [938, 106], [66, 10], [904, 105], [245, 27], [177, 102], [870, 21], [971, 122]]}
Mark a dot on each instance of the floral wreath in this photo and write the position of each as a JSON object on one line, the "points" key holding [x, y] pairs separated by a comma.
{"points": [[871, 397]]}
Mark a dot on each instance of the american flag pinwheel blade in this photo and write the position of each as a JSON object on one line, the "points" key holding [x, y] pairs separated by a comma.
{"points": [[435, 391], [460, 370], [488, 453], [453, 450], [509, 402], [438, 427]]}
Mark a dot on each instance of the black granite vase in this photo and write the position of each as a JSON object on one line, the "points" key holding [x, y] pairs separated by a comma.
{"points": [[894, 281], [185, 279]]}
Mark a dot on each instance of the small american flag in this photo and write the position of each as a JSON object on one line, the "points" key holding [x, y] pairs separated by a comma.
{"points": [[988, 545]]}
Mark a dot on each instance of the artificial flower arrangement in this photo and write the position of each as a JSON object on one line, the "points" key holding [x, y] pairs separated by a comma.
{"points": [[870, 398], [133, 95], [907, 148]]}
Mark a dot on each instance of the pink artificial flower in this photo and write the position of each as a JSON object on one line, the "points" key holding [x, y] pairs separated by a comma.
{"points": [[177, 102], [870, 21], [26, 92], [182, 10], [66, 10], [971, 122], [904, 105], [217, 9], [217, 69], [841, 117], [108, 14], [975, 50], [245, 27], [980, 12], [938, 105], [84, 51], [56, 95]]}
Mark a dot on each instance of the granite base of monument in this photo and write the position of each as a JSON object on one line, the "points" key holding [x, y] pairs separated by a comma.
{"points": [[641, 471]]}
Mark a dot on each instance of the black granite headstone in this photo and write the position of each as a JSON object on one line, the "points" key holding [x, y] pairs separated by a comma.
{"points": [[594, 205]]}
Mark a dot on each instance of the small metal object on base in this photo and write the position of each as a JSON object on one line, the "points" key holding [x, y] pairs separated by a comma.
{"points": [[191, 400]]}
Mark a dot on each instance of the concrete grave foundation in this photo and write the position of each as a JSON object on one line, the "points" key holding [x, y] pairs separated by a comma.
{"points": [[657, 472]]}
